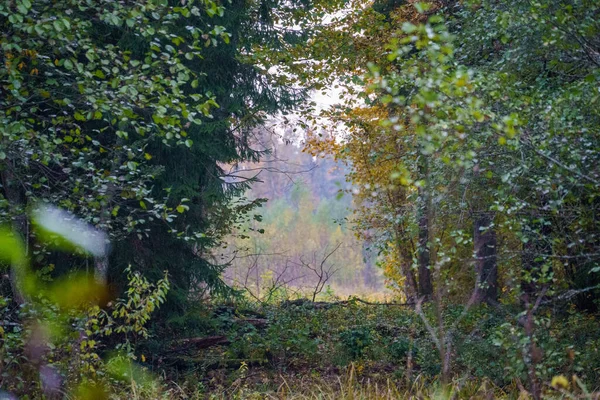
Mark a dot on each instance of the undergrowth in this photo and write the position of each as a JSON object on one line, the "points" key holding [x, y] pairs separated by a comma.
{"points": [[297, 350], [305, 350]]}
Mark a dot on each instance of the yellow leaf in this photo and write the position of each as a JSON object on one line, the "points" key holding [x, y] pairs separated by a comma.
{"points": [[560, 382]]}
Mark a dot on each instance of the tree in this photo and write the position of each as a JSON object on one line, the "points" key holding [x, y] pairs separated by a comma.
{"points": [[126, 114], [396, 148], [239, 75], [80, 107], [547, 81]]}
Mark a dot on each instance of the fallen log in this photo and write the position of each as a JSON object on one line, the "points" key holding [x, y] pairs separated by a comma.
{"points": [[202, 343], [326, 305]]}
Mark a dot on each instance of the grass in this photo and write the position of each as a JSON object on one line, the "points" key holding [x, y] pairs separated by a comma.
{"points": [[351, 386]]}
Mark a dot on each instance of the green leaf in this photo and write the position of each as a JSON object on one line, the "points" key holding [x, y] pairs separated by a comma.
{"points": [[387, 99], [407, 27], [58, 25], [422, 7], [12, 250]]}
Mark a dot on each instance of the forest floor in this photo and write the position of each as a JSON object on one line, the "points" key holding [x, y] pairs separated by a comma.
{"points": [[351, 350]]}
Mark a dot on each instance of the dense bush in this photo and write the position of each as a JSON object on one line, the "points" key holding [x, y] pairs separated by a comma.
{"points": [[489, 344]]}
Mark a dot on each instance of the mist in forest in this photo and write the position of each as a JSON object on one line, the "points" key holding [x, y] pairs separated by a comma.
{"points": [[301, 240]]}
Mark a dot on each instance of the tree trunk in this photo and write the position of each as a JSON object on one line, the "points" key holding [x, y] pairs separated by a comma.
{"points": [[486, 267], [410, 286], [536, 249], [424, 247], [16, 200], [580, 260], [425, 286]]}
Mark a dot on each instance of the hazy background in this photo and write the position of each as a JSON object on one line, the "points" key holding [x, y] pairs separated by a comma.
{"points": [[307, 216]]}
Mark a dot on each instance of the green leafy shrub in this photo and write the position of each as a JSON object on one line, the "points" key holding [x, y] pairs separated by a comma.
{"points": [[41, 342], [355, 341], [400, 348]]}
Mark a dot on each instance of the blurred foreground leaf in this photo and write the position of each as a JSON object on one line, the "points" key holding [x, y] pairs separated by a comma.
{"points": [[12, 250], [91, 391], [64, 231], [78, 291]]}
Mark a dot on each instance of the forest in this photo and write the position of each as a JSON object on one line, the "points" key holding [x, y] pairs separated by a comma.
{"points": [[299, 199]]}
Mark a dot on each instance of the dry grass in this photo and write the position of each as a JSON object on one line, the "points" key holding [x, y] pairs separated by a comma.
{"points": [[342, 389], [351, 387]]}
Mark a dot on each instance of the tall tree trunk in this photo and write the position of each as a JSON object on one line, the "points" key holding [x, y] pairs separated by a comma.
{"points": [[425, 286], [405, 247], [580, 251], [16, 200], [101, 262], [486, 268], [410, 285], [424, 247]]}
